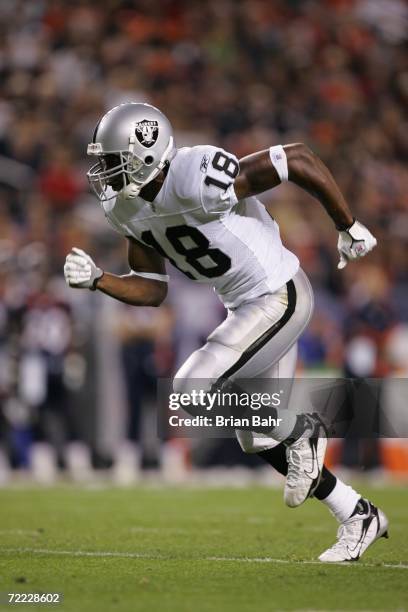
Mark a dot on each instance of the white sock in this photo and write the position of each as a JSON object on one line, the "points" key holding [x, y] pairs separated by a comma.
{"points": [[342, 501]]}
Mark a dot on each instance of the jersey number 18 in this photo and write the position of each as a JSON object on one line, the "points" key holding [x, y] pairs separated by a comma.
{"points": [[201, 244], [192, 254]]}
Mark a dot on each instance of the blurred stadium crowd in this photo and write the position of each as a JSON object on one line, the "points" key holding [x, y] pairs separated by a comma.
{"points": [[244, 74]]}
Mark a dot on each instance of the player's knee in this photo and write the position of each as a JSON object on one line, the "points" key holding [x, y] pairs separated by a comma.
{"points": [[188, 385], [184, 377], [198, 371]]}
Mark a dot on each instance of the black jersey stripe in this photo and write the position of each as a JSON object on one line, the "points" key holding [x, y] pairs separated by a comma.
{"points": [[268, 335]]}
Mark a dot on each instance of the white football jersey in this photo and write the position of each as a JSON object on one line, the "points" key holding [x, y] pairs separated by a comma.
{"points": [[198, 224]]}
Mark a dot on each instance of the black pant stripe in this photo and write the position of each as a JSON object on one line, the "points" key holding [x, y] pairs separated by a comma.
{"points": [[266, 336]]}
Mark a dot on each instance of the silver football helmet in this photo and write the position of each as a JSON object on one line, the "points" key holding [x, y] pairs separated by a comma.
{"points": [[133, 143]]}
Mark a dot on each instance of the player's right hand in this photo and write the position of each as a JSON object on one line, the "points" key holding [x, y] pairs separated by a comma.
{"points": [[80, 270], [354, 242]]}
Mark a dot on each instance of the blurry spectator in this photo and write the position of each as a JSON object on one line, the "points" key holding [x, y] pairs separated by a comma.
{"points": [[366, 329], [146, 340], [59, 183]]}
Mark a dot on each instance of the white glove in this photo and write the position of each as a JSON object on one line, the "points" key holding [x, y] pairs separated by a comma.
{"points": [[80, 271], [354, 242]]}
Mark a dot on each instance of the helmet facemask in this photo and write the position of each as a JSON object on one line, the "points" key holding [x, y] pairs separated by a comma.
{"points": [[115, 170]]}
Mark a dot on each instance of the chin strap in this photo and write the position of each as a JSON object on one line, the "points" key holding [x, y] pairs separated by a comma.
{"points": [[131, 191]]}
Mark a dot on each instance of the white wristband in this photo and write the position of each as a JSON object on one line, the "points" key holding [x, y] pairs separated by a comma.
{"points": [[279, 162], [164, 278]]}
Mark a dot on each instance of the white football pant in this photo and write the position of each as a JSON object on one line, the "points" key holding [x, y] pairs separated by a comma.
{"points": [[256, 340]]}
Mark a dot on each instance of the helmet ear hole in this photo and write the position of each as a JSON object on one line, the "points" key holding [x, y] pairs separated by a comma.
{"points": [[149, 159]]}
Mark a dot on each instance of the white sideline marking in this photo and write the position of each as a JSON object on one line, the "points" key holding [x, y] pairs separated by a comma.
{"points": [[169, 530], [82, 553], [22, 532], [130, 555], [159, 530], [305, 562]]}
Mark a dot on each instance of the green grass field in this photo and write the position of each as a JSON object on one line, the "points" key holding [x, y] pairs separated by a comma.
{"points": [[212, 550]]}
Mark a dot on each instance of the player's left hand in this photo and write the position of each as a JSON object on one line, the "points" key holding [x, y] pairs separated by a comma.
{"points": [[353, 243], [80, 270]]}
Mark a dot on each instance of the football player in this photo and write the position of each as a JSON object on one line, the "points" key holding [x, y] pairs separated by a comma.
{"points": [[197, 208]]}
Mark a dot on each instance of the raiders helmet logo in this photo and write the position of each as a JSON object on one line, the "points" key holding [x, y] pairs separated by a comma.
{"points": [[147, 132]]}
